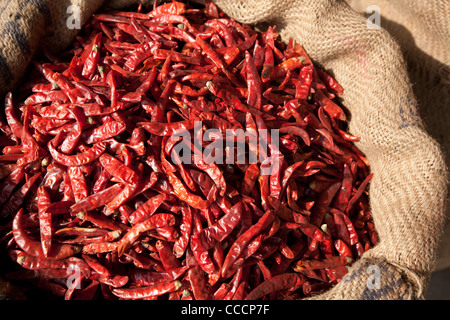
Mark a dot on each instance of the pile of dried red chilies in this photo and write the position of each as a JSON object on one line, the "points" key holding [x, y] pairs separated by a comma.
{"points": [[93, 205]]}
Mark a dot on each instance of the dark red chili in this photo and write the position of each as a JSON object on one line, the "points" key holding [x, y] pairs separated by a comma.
{"points": [[97, 173]]}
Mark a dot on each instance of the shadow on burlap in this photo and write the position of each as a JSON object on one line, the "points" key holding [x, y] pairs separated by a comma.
{"points": [[425, 42]]}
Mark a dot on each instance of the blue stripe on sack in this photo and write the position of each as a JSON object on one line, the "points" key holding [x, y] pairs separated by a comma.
{"points": [[13, 29]]}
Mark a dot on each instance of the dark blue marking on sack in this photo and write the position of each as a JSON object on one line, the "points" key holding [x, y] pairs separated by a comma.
{"points": [[411, 109], [376, 294], [12, 29], [362, 270]]}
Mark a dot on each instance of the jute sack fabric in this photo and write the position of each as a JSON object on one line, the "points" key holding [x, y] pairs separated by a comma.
{"points": [[408, 191], [422, 30]]}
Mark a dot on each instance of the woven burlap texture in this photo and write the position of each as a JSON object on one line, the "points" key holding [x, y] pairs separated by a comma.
{"points": [[408, 191], [423, 32]]}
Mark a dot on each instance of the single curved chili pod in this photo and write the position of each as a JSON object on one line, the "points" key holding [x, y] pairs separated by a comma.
{"points": [[80, 231], [225, 225], [14, 125], [80, 159], [320, 207], [148, 277], [287, 173], [331, 262], [131, 190], [303, 87], [343, 249], [147, 209], [302, 133], [78, 183], [168, 258], [117, 169], [332, 85], [91, 62], [243, 240], [16, 200], [34, 263], [105, 131], [345, 193], [268, 64], [45, 219], [146, 292], [182, 242], [329, 106], [253, 82], [34, 248], [73, 137], [183, 194], [95, 265], [293, 63], [198, 283], [352, 237], [250, 177], [97, 199], [155, 221], [263, 181], [100, 247], [214, 173], [199, 247], [168, 18], [286, 281], [10, 183], [358, 193]]}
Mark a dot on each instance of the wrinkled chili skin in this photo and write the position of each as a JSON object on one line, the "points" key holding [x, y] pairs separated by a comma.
{"points": [[90, 177]]}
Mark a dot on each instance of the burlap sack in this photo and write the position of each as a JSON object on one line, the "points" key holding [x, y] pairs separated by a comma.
{"points": [[408, 192], [422, 30]]}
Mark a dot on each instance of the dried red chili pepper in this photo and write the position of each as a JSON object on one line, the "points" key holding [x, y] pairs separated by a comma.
{"points": [[34, 248], [237, 247], [117, 169], [89, 161], [45, 219], [290, 281]]}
